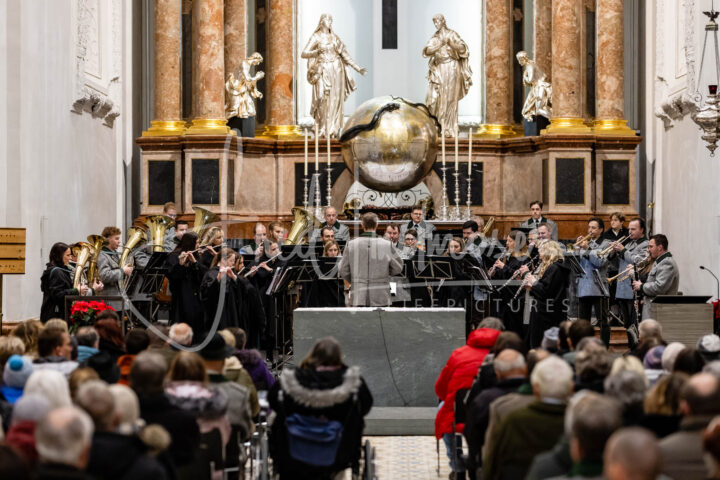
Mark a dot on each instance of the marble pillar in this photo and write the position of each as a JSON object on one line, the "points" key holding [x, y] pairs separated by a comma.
{"points": [[498, 70], [235, 34], [168, 116], [610, 75], [542, 39], [567, 95], [208, 73], [280, 122]]}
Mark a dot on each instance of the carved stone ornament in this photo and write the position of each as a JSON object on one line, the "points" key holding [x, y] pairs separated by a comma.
{"points": [[98, 55]]}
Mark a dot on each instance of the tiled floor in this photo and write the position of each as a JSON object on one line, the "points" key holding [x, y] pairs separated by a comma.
{"points": [[408, 458]]}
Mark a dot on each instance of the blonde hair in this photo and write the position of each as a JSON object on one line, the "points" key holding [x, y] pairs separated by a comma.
{"points": [[9, 346], [228, 336], [29, 331], [58, 323], [550, 252], [211, 235]]}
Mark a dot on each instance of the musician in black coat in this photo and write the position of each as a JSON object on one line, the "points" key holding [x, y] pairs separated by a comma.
{"points": [[328, 290], [212, 242], [250, 306], [507, 270], [220, 292], [454, 295], [261, 273], [185, 275], [548, 292]]}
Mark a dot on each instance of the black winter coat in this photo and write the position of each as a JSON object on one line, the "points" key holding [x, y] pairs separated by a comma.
{"points": [[114, 456], [548, 297], [210, 290], [186, 305], [56, 283]]}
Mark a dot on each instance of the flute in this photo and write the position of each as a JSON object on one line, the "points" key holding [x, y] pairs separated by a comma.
{"points": [[257, 267]]}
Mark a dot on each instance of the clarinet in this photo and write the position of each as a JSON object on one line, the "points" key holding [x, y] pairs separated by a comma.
{"points": [[636, 293], [520, 288]]}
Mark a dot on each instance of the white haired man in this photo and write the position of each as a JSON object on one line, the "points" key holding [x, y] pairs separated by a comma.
{"points": [[62, 439]]}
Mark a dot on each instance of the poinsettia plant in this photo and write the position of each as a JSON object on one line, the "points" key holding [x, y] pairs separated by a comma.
{"points": [[84, 313]]}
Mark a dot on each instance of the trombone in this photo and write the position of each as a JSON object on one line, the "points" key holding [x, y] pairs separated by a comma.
{"points": [[609, 248]]}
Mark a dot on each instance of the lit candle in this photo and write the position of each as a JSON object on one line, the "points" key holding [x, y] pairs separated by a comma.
{"points": [[306, 151], [317, 149], [470, 152], [327, 134], [442, 140], [457, 155]]}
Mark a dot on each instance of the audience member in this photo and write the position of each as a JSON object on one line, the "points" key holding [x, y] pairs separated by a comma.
{"points": [[511, 373], [709, 347], [670, 354], [689, 360], [712, 368], [628, 362], [578, 330], [592, 365], [28, 410], [111, 337], [711, 446], [9, 346], [57, 323], [550, 339], [147, 377], [88, 342], [533, 429], [182, 334], [632, 454], [114, 455], [16, 373], [136, 341], [29, 332], [50, 384], [127, 409], [54, 350], [628, 388], [662, 405], [458, 373], [563, 346], [252, 361], [322, 386], [486, 373], [63, 439], [78, 377], [653, 363], [682, 452], [12, 465]]}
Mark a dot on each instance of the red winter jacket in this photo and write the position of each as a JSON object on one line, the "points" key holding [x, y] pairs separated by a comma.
{"points": [[459, 372], [21, 437]]}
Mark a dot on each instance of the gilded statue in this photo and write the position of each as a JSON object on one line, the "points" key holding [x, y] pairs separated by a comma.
{"points": [[329, 75], [539, 100], [241, 91], [449, 74]]}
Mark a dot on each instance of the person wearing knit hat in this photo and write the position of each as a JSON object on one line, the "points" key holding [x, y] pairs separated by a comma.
{"points": [[550, 339], [670, 354], [709, 347], [653, 363], [17, 371]]}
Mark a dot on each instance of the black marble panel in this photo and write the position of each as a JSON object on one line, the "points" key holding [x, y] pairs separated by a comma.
{"points": [[231, 182], [338, 168], [161, 182], [389, 25], [476, 195], [616, 182], [206, 181], [570, 181]]}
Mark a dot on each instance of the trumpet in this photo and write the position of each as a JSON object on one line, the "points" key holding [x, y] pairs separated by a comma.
{"points": [[624, 275], [629, 271], [609, 248], [582, 240]]}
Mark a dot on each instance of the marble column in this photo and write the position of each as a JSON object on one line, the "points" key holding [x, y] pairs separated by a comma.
{"points": [[567, 95], [280, 122], [208, 79], [498, 70], [542, 39], [235, 34], [610, 75], [168, 116]]}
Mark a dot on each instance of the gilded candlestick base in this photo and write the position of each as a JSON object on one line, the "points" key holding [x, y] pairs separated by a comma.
{"points": [[209, 126], [165, 128], [497, 131], [613, 127], [281, 132], [561, 126]]}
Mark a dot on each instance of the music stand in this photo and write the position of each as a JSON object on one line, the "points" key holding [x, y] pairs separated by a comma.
{"points": [[283, 276], [145, 283]]}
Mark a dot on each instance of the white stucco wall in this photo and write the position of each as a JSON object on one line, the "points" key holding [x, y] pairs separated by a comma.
{"points": [[686, 176], [60, 171]]}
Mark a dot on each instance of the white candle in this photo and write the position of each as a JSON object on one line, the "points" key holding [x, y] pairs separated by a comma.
{"points": [[317, 149], [457, 154], [470, 152], [442, 140], [327, 134], [306, 151]]}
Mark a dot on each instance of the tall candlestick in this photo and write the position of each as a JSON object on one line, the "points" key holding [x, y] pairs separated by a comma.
{"points": [[442, 141], [306, 151], [457, 155], [328, 146], [470, 151], [317, 149]]}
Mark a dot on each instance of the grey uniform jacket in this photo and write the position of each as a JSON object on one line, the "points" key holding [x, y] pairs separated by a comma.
{"points": [[109, 272], [342, 232], [368, 263], [530, 223], [634, 251], [663, 279], [587, 285]]}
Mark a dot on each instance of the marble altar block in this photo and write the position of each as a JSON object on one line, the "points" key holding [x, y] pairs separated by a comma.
{"points": [[400, 351]]}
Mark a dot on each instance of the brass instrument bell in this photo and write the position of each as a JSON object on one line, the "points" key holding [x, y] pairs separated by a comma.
{"points": [[304, 221], [488, 226], [97, 242], [82, 251], [203, 219], [157, 225]]}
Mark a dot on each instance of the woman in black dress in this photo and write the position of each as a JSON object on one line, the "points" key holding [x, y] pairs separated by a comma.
{"points": [[219, 292], [212, 242], [185, 275], [548, 291], [510, 309], [328, 290], [250, 306], [454, 295]]}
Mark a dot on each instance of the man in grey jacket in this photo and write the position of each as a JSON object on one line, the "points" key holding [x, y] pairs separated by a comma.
{"points": [[664, 276], [368, 263], [109, 269]]}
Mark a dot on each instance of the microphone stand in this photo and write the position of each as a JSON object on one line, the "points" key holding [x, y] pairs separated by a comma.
{"points": [[716, 280]]}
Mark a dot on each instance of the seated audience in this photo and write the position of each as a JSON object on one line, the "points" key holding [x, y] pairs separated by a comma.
{"points": [[577, 330], [78, 377], [111, 336], [628, 388], [28, 410], [662, 405], [632, 453], [670, 354], [136, 341], [592, 365], [16, 373], [689, 360], [653, 363], [682, 451], [13, 465], [252, 361], [88, 342], [29, 332], [9, 346], [63, 438], [709, 347], [322, 387], [50, 384], [533, 429], [54, 350]]}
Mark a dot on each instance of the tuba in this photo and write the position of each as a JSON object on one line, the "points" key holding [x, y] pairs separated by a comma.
{"points": [[97, 242], [203, 219], [304, 221], [136, 236], [488, 226], [157, 225], [82, 251]]}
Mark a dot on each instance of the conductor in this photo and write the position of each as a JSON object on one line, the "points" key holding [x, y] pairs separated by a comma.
{"points": [[368, 263]]}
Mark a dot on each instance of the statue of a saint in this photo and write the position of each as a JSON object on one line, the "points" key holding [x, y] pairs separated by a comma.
{"points": [[449, 74], [241, 91], [328, 73], [539, 100]]}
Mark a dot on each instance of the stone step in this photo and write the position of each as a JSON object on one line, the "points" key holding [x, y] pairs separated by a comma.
{"points": [[618, 339], [400, 421]]}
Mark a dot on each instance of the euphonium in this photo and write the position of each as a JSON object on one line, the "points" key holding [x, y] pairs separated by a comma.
{"points": [[488, 226], [82, 251], [157, 224], [136, 236], [97, 242], [203, 219], [304, 221]]}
